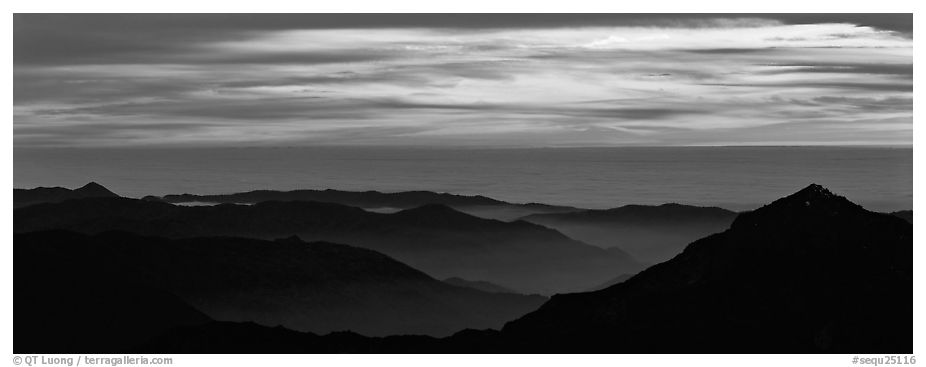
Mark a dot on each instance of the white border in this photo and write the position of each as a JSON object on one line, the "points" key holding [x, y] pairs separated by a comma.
{"points": [[476, 6]]}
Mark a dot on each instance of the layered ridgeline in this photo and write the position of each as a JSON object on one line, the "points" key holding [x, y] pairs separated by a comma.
{"points": [[480, 206], [38, 195], [148, 281], [478, 284], [811, 272], [434, 238], [651, 234]]}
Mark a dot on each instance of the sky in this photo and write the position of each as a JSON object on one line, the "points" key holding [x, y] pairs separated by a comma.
{"points": [[502, 80]]}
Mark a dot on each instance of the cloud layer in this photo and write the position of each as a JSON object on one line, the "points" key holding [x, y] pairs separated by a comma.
{"points": [[515, 80]]}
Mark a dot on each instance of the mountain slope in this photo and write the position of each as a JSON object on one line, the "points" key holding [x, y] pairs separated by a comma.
{"points": [[811, 272], [478, 284], [906, 215], [808, 273], [434, 238], [618, 279], [318, 287], [26, 197], [480, 206], [230, 338], [65, 306], [650, 234]]}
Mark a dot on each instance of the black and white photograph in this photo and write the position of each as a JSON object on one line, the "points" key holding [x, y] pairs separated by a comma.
{"points": [[402, 183]]}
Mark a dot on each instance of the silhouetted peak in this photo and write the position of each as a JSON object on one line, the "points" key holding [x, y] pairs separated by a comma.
{"points": [[753, 286], [810, 196], [811, 204], [95, 189], [815, 191], [92, 186]]}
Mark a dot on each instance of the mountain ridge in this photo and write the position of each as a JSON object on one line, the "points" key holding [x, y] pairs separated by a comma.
{"points": [[803, 274], [307, 286], [376, 201], [736, 299], [437, 239], [478, 284], [649, 233], [39, 195]]}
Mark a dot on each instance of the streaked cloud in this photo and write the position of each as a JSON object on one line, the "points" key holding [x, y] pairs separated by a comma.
{"points": [[89, 80]]}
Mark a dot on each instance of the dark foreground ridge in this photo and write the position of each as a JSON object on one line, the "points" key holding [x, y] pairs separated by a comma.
{"points": [[151, 284], [808, 273], [906, 215], [231, 338], [805, 274]]}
